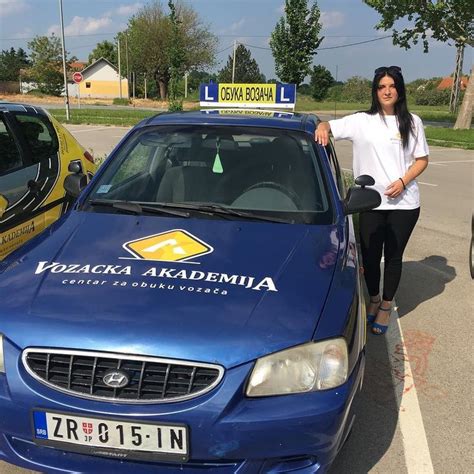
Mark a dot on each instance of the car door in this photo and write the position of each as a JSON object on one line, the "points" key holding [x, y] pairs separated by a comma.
{"points": [[28, 173]]}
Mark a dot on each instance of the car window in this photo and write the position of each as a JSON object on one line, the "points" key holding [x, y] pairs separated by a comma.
{"points": [[335, 169], [136, 164], [253, 169], [39, 136], [10, 157]]}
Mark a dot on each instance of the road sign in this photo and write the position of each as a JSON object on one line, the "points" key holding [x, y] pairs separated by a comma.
{"points": [[248, 95], [77, 77]]}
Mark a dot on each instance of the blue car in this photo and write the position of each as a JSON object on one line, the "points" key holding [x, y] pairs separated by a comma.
{"points": [[199, 308]]}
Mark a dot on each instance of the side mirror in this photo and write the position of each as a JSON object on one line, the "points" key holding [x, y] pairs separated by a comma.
{"points": [[3, 204], [364, 180], [76, 182], [361, 199]]}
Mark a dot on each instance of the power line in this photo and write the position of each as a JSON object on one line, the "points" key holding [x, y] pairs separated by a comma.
{"points": [[329, 47], [225, 49], [220, 36], [354, 44], [66, 36]]}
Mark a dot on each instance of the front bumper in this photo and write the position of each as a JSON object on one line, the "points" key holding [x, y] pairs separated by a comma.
{"points": [[228, 433]]}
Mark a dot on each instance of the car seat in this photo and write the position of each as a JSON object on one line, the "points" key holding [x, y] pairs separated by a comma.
{"points": [[197, 178]]}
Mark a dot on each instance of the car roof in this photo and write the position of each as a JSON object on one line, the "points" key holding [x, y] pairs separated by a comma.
{"points": [[14, 107], [240, 118]]}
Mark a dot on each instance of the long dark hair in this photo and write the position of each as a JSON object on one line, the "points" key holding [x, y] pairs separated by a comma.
{"points": [[404, 118]]}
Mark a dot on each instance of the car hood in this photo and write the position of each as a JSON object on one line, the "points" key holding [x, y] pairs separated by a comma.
{"points": [[244, 289]]}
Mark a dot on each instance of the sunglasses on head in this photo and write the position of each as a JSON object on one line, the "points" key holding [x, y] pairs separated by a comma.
{"points": [[392, 69]]}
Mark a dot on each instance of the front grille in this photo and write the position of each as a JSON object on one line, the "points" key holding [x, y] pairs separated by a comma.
{"points": [[151, 380]]}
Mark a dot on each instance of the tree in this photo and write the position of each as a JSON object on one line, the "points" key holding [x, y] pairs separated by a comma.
{"points": [[196, 78], [294, 40], [150, 36], [321, 81], [105, 49], [442, 20], [177, 57], [246, 68], [11, 62], [47, 64]]}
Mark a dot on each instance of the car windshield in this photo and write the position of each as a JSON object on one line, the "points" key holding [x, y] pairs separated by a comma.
{"points": [[212, 171]]}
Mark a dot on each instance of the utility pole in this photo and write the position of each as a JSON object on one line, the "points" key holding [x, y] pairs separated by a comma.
{"points": [[144, 80], [233, 62], [126, 62], [185, 85], [454, 98], [119, 68], [64, 59], [133, 82]]}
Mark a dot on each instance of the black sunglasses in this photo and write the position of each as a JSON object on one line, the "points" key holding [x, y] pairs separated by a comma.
{"points": [[392, 69]]}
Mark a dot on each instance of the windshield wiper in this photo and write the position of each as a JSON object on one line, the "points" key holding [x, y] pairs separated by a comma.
{"points": [[224, 211], [136, 208]]}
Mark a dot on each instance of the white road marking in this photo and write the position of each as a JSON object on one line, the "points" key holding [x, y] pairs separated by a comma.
{"points": [[449, 162], [98, 129], [434, 163], [419, 182], [427, 184], [416, 449]]}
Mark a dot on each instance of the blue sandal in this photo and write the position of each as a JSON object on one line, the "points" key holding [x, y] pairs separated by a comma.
{"points": [[380, 328], [371, 317]]}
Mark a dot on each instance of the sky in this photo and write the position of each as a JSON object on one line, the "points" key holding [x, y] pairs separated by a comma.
{"points": [[250, 22]]}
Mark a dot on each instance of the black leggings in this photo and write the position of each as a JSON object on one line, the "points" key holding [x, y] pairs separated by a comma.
{"points": [[390, 231]]}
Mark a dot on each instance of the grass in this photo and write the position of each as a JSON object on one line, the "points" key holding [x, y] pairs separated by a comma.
{"points": [[129, 117], [450, 138], [439, 113], [103, 116]]}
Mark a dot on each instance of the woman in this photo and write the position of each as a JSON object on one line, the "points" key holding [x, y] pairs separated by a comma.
{"points": [[389, 144]]}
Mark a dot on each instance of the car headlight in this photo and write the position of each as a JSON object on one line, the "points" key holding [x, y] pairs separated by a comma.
{"points": [[2, 364], [310, 367]]}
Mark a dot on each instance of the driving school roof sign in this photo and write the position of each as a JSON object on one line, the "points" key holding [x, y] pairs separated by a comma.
{"points": [[248, 95]]}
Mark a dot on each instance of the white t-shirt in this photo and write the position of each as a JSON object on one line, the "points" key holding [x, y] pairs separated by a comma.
{"points": [[378, 151]]}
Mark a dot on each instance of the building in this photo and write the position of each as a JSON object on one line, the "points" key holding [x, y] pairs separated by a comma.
{"points": [[101, 81], [447, 83]]}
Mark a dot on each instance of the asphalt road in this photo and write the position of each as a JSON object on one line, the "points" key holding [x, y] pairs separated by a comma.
{"points": [[415, 412]]}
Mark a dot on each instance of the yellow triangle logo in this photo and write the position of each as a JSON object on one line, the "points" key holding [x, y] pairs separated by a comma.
{"points": [[172, 246], [3, 204]]}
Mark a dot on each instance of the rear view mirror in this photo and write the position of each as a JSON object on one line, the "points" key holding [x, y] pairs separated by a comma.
{"points": [[3, 204]]}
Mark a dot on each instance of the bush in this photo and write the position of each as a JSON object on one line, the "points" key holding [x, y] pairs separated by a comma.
{"points": [[335, 92], [357, 89], [118, 101], [304, 89], [432, 97]]}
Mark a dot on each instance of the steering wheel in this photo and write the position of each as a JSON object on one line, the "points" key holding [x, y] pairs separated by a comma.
{"points": [[279, 187]]}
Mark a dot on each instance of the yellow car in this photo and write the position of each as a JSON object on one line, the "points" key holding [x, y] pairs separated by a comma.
{"points": [[36, 152]]}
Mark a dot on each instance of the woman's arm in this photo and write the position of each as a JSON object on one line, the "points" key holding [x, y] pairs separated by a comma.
{"points": [[321, 135], [397, 187]]}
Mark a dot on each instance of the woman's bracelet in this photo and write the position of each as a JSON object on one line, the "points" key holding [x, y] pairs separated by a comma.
{"points": [[403, 182]]}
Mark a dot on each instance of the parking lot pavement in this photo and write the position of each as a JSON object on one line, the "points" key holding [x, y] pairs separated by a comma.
{"points": [[99, 140], [427, 351]]}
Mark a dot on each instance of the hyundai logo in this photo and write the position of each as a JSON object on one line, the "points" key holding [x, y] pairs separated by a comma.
{"points": [[116, 378]]}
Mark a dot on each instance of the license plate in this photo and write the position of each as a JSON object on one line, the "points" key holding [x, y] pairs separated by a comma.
{"points": [[111, 438]]}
